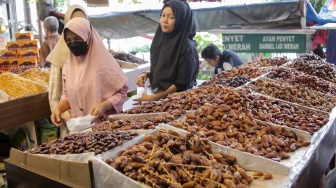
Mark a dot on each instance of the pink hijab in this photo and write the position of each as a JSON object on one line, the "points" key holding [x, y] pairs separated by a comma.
{"points": [[91, 78], [60, 53]]}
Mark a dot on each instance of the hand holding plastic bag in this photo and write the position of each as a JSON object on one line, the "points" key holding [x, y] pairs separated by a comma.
{"points": [[80, 123], [141, 91]]}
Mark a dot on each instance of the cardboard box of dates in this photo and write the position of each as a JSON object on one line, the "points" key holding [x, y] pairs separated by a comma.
{"points": [[74, 174], [164, 164], [65, 159]]}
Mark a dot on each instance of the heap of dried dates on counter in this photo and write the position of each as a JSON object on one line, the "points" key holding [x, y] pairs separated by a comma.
{"points": [[274, 111], [230, 82], [188, 100], [245, 70], [127, 57], [304, 80], [170, 160], [312, 64], [96, 141], [266, 62], [237, 130], [293, 93], [129, 124]]}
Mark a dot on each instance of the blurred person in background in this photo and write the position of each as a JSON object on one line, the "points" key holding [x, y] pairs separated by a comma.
{"points": [[225, 60], [50, 26], [319, 40], [93, 82], [57, 58], [174, 57]]}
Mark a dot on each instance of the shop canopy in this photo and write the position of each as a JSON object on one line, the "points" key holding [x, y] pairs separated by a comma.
{"points": [[138, 21]]}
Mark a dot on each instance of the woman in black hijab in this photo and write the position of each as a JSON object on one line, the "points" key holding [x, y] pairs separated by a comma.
{"points": [[174, 57]]}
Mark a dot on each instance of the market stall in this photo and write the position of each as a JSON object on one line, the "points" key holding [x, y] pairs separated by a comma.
{"points": [[270, 123], [24, 95], [308, 126], [21, 111]]}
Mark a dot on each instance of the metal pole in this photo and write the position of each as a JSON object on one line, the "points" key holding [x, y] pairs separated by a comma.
{"points": [[12, 18], [40, 31], [108, 44], [27, 16]]}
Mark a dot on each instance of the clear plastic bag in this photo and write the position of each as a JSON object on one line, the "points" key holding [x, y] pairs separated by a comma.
{"points": [[80, 123]]}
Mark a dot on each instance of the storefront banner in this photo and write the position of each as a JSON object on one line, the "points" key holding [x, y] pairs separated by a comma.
{"points": [[257, 43]]}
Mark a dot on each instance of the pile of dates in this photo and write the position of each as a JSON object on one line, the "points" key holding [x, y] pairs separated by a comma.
{"points": [[234, 129], [187, 100], [265, 62], [95, 141], [244, 70], [274, 111], [127, 57], [293, 93], [307, 81], [129, 124], [230, 82], [170, 160], [313, 65]]}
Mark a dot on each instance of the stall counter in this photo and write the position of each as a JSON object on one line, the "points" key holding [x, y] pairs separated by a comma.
{"points": [[23, 110]]}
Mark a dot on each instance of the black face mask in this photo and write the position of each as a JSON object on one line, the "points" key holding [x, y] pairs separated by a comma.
{"points": [[78, 48]]}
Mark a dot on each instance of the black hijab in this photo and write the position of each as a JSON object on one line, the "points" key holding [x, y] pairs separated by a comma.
{"points": [[167, 48]]}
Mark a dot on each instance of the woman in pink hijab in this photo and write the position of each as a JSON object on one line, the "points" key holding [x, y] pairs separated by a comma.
{"points": [[93, 82]]}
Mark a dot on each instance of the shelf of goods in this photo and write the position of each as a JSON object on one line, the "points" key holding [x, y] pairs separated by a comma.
{"points": [[132, 66], [263, 124], [26, 101]]}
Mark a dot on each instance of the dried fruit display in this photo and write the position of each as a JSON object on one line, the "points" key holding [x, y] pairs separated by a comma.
{"points": [[312, 64], [96, 141], [229, 127], [306, 81], [240, 75], [230, 82], [265, 62], [127, 57], [274, 111], [38, 75], [187, 100], [293, 93], [243, 70], [21, 69], [17, 87], [169, 160], [129, 124]]}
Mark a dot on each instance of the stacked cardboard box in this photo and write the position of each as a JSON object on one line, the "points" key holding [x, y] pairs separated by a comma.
{"points": [[22, 52]]}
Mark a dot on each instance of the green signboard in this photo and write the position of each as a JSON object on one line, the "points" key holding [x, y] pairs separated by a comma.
{"points": [[276, 43]]}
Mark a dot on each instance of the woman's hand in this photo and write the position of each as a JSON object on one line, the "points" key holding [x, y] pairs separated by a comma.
{"points": [[141, 79], [145, 97], [100, 109], [158, 95], [56, 118]]}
